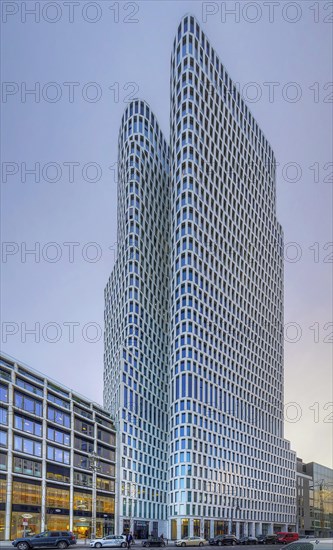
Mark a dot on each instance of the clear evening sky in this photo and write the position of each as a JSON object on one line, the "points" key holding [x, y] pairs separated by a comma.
{"points": [[85, 60]]}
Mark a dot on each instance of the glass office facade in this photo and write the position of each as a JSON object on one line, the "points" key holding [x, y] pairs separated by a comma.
{"points": [[194, 313], [46, 479]]}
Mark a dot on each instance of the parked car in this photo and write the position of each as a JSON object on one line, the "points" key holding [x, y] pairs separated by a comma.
{"points": [[109, 541], [248, 540], [267, 539], [271, 539], [284, 537], [224, 540], [49, 539], [310, 544], [190, 541], [154, 541]]}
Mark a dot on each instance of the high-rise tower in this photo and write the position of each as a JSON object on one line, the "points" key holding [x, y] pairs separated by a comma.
{"points": [[229, 467], [136, 307], [199, 383]]}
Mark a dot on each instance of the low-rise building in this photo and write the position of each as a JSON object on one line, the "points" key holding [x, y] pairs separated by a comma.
{"points": [[57, 457], [314, 499]]}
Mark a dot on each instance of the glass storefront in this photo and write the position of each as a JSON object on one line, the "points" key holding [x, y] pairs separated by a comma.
{"points": [[207, 529], [82, 527], [55, 522], [141, 529], [82, 501], [184, 531], [2, 524], [57, 497], [27, 493], [174, 529], [17, 527], [220, 528], [196, 527], [104, 504]]}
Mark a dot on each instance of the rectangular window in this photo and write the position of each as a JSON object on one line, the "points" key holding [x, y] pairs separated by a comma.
{"points": [[3, 461], [28, 467], [59, 437], [57, 400], [83, 445], [26, 425], [84, 427], [3, 416], [59, 417], [83, 479], [28, 404], [57, 473], [105, 453], [29, 387], [3, 439], [27, 446], [58, 455], [3, 393], [106, 437]]}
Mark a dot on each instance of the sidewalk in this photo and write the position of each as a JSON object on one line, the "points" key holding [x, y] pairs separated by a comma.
{"points": [[79, 542]]}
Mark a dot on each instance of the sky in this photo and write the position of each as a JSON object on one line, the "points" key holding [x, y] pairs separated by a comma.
{"points": [[68, 72]]}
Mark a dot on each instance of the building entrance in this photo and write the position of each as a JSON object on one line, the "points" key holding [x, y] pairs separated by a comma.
{"points": [[141, 529]]}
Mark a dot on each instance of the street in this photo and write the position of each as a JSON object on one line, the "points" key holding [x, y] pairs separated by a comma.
{"points": [[137, 545]]}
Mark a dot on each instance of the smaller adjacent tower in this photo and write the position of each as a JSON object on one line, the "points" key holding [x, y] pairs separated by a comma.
{"points": [[136, 317]]}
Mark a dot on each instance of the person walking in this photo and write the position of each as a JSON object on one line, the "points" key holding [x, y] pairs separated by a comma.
{"points": [[129, 539]]}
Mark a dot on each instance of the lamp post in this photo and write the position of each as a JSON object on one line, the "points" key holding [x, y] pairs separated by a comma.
{"points": [[132, 504], [234, 500], [94, 465]]}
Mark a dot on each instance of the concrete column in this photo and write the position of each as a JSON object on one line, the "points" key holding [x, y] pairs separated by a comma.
{"points": [[237, 529], [230, 526], [246, 529], [258, 527], [270, 529], [43, 521], [190, 527], [71, 479], [211, 530], [179, 528], [9, 490]]}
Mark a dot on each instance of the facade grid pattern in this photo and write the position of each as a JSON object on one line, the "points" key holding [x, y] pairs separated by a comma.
{"points": [[194, 313]]}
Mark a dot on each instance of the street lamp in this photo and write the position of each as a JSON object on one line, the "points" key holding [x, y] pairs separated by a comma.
{"points": [[94, 465], [237, 509], [132, 503]]}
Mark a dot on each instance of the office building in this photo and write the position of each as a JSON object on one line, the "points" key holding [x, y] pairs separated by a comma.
{"points": [[57, 457], [136, 324], [314, 499], [194, 313]]}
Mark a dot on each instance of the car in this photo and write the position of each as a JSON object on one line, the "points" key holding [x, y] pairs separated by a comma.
{"points": [[248, 540], [285, 536], [271, 539], [267, 539], [153, 541], [190, 541], [310, 544], [46, 539], [109, 541], [224, 540]]}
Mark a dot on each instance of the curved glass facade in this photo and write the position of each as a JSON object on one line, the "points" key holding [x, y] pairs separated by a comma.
{"points": [[136, 315], [227, 458], [194, 313]]}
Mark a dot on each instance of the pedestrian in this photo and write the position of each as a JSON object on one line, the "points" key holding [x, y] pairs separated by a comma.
{"points": [[129, 539]]}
